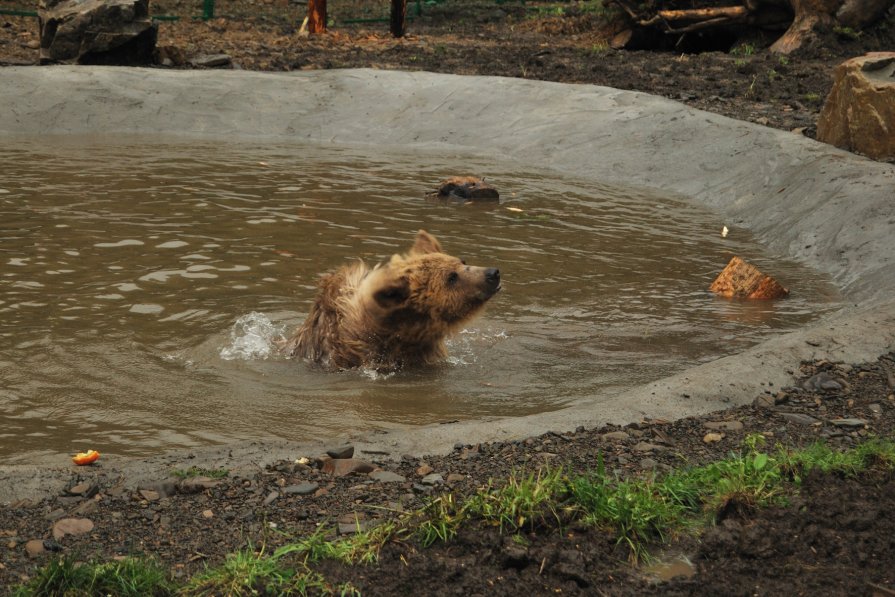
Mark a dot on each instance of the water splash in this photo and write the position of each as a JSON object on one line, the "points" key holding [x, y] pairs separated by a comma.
{"points": [[463, 347], [253, 336]]}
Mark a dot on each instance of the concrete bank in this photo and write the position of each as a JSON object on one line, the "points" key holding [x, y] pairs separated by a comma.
{"points": [[829, 209]]}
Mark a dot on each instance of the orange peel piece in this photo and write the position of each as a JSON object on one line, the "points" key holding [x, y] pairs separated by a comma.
{"points": [[88, 457]]}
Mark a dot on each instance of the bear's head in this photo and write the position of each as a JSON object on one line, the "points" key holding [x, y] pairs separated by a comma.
{"points": [[426, 294]]}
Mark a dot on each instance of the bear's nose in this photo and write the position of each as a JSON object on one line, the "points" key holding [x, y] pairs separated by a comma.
{"points": [[492, 276]]}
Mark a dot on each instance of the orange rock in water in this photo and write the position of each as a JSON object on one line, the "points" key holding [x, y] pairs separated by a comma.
{"points": [[741, 279]]}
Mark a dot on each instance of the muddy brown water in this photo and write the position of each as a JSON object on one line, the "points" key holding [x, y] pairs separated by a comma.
{"points": [[143, 282]]}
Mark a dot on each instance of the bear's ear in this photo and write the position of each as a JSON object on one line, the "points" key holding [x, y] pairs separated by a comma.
{"points": [[393, 293], [426, 243]]}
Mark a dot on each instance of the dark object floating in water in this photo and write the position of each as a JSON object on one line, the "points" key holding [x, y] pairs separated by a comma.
{"points": [[465, 188]]}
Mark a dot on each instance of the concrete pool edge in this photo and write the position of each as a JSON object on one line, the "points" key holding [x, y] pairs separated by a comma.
{"points": [[824, 207]]}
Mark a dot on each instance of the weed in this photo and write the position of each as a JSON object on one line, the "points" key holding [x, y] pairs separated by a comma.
{"points": [[128, 577], [812, 97], [773, 75], [783, 60], [441, 519], [847, 33], [195, 471], [522, 501], [744, 50]]}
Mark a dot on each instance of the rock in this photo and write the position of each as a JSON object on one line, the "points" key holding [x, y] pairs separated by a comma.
{"points": [[85, 508], [346, 466], [824, 382], [349, 528], [799, 418], [197, 484], [96, 32], [467, 188], [859, 112], [764, 401], [432, 479], [301, 489], [648, 464], [647, 447], [34, 548], [169, 56], [741, 279], [455, 478], [83, 489], [341, 452], [71, 526], [712, 438], [149, 495], [207, 513], [424, 470], [724, 425], [387, 477], [850, 422], [271, 498], [615, 436], [211, 60]]}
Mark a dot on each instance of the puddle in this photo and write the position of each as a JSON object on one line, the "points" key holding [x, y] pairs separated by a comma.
{"points": [[665, 570], [143, 284]]}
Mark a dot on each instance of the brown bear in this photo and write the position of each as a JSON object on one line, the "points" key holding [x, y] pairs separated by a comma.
{"points": [[393, 315]]}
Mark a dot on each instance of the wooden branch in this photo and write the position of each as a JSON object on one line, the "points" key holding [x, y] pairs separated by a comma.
{"points": [[701, 14], [703, 25]]}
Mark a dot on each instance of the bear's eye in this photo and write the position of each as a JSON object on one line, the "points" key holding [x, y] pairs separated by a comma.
{"points": [[452, 278]]}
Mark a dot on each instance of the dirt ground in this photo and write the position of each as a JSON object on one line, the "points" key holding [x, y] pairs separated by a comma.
{"points": [[836, 539]]}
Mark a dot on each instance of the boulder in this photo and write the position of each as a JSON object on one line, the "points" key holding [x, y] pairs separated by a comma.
{"points": [[859, 112], [116, 32]]}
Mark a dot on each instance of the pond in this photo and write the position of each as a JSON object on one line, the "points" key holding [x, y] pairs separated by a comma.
{"points": [[144, 282]]}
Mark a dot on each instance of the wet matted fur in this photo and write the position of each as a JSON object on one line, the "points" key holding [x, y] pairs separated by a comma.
{"points": [[395, 314]]}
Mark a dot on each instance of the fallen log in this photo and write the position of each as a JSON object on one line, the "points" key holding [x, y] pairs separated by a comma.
{"points": [[741, 279]]}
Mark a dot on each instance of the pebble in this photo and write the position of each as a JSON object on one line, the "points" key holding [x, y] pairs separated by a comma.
{"points": [[824, 382], [34, 548], [346, 466], [341, 452], [615, 436], [271, 498], [83, 489], [432, 479], [424, 470], [849, 422], [197, 484], [647, 447], [764, 401], [71, 526], [349, 528], [799, 418], [301, 488], [211, 60], [455, 478], [149, 495], [387, 477], [711, 438], [648, 464], [207, 514]]}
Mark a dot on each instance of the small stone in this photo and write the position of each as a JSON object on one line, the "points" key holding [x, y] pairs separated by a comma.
{"points": [[824, 382], [341, 452], [85, 508], [347, 466], [764, 401], [615, 436], [321, 492], [876, 409], [712, 438], [83, 489], [211, 60], [432, 479], [149, 495], [424, 470], [350, 528], [207, 514], [301, 489], [34, 548], [271, 498], [799, 418], [648, 464], [163, 488], [421, 488], [647, 447], [849, 422], [455, 478], [71, 526], [724, 425], [197, 484], [387, 477]]}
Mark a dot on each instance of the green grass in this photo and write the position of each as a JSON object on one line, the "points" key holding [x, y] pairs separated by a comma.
{"points": [[195, 471], [130, 577], [637, 512]]}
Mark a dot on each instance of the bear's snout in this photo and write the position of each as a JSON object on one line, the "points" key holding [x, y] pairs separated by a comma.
{"points": [[492, 281]]}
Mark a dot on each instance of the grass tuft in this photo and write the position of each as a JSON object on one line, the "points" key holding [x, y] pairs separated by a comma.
{"points": [[130, 577]]}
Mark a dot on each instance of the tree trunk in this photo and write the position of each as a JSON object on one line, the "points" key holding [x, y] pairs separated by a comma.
{"points": [[398, 20], [809, 16], [316, 16]]}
